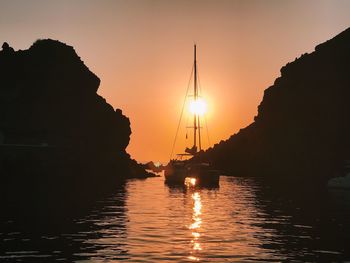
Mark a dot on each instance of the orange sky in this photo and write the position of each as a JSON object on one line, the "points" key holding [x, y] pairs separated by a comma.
{"points": [[142, 51]]}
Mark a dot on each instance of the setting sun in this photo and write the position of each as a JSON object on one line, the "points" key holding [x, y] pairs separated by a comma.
{"points": [[198, 107], [175, 131]]}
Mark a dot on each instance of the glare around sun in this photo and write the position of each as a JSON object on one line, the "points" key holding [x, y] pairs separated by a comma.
{"points": [[198, 107]]}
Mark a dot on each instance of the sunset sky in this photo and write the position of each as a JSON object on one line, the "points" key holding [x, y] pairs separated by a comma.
{"points": [[143, 51]]}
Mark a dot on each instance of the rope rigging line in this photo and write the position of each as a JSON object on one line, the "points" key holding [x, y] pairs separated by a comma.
{"points": [[187, 118], [205, 117], [206, 125], [182, 111]]}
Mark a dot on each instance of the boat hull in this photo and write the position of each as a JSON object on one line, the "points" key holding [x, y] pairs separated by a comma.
{"points": [[204, 177], [175, 176]]}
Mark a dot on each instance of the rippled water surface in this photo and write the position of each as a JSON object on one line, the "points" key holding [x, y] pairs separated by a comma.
{"points": [[146, 221]]}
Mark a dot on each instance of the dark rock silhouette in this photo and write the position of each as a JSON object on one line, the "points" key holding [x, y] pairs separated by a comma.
{"points": [[52, 121], [302, 128]]}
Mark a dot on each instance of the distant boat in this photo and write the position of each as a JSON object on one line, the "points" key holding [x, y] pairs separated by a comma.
{"points": [[180, 171], [342, 182]]}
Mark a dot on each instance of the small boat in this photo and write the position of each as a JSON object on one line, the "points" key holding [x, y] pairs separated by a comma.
{"points": [[193, 173], [341, 182]]}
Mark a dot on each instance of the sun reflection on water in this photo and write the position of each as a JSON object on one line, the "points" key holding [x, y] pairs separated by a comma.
{"points": [[190, 182], [195, 226]]}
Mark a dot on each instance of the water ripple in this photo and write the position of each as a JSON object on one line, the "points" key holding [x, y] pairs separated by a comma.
{"points": [[242, 221]]}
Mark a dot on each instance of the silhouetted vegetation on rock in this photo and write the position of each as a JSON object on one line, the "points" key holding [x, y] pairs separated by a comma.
{"points": [[52, 121], [303, 123]]}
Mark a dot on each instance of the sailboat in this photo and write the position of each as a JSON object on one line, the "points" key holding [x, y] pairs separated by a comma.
{"points": [[179, 171]]}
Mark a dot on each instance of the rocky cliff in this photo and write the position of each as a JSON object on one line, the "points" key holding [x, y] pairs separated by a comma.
{"points": [[52, 118], [302, 127]]}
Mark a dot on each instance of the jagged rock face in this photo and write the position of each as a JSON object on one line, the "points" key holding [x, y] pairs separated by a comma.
{"points": [[48, 95], [303, 122]]}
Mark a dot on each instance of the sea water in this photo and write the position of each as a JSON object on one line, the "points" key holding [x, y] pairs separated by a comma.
{"points": [[243, 220]]}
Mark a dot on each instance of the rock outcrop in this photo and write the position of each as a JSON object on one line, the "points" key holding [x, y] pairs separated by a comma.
{"points": [[302, 128], [52, 119]]}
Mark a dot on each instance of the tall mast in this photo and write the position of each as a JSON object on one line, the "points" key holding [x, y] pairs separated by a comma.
{"points": [[195, 95]]}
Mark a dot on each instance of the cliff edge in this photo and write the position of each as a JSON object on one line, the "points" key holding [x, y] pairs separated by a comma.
{"points": [[52, 121], [302, 128]]}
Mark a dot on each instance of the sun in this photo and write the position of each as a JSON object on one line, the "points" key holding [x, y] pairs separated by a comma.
{"points": [[198, 107]]}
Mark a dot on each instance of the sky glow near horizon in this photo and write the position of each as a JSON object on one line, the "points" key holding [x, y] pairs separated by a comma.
{"points": [[143, 53]]}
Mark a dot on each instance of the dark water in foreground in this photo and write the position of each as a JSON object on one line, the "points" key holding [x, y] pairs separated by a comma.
{"points": [[145, 221]]}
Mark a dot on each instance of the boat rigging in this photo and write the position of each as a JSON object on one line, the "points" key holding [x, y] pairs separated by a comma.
{"points": [[178, 170]]}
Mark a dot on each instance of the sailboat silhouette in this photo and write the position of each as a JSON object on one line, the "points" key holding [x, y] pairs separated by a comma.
{"points": [[178, 169]]}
